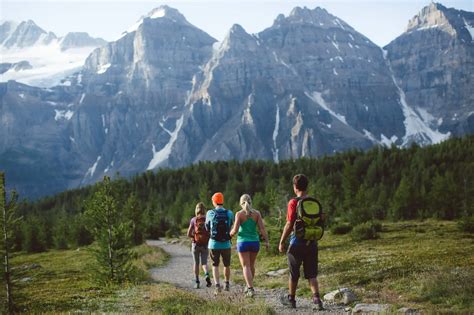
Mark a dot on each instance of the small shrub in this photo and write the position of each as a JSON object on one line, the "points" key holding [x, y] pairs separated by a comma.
{"points": [[172, 232], [364, 231], [467, 224], [341, 228], [377, 225]]}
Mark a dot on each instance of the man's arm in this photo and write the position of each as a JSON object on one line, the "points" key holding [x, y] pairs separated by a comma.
{"points": [[208, 221], [286, 232]]}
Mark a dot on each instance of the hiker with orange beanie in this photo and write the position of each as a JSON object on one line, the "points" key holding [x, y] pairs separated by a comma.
{"points": [[218, 222]]}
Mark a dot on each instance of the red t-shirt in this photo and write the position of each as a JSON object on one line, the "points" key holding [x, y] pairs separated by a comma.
{"points": [[291, 213]]}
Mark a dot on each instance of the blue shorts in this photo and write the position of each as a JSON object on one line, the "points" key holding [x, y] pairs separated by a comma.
{"points": [[253, 247]]}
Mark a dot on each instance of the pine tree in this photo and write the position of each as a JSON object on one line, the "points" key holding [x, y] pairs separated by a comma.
{"points": [[112, 234], [134, 214], [61, 231], [403, 204], [9, 219], [34, 233]]}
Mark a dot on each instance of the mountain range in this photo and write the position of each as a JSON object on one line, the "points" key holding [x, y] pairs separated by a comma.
{"points": [[35, 57], [167, 94]]}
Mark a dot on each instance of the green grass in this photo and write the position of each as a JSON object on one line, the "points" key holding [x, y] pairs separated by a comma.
{"points": [[62, 284], [427, 265]]}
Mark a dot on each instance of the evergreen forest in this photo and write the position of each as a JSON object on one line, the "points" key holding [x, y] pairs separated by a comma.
{"points": [[354, 187]]}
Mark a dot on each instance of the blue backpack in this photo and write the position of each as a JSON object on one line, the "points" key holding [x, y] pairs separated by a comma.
{"points": [[220, 226]]}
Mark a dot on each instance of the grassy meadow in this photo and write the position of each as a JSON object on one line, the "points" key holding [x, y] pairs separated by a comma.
{"points": [[427, 265], [60, 282]]}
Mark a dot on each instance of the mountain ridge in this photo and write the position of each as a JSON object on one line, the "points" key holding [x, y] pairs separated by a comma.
{"points": [[166, 95]]}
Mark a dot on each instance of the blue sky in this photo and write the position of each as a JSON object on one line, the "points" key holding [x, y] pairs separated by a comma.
{"points": [[381, 21]]}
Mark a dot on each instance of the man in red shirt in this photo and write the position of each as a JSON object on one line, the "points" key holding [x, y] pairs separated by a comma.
{"points": [[299, 251]]}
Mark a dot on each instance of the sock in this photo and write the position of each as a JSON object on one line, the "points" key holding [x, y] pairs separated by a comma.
{"points": [[292, 297], [197, 278]]}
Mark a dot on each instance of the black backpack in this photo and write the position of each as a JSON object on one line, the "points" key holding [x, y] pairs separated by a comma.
{"points": [[309, 224], [220, 226]]}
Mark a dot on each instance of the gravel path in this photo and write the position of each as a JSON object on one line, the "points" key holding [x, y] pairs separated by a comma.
{"points": [[179, 269]]}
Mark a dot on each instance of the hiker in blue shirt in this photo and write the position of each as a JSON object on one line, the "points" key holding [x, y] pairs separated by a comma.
{"points": [[218, 222]]}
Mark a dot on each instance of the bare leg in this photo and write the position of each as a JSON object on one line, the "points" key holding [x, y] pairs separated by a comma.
{"points": [[292, 286], [313, 283], [196, 271], [215, 274], [246, 269], [227, 273], [253, 258]]}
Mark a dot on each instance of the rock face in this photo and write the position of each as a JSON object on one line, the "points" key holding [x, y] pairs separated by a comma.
{"points": [[433, 64], [80, 39], [166, 95]]}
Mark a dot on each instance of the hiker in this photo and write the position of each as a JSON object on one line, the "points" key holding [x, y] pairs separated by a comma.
{"points": [[248, 241], [218, 222], [200, 238], [301, 250]]}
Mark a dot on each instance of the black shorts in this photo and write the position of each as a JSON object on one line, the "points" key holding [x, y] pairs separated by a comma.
{"points": [[217, 253], [306, 255]]}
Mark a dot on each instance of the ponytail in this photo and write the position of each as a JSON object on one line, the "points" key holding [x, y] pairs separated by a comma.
{"points": [[246, 204]]}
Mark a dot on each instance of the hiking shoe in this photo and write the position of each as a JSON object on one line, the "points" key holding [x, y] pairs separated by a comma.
{"points": [[197, 285], [317, 304], [227, 286], [218, 289], [288, 301], [208, 282], [250, 293]]}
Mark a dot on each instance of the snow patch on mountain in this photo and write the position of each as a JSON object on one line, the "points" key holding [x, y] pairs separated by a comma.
{"points": [[275, 134], [386, 141], [92, 169], [103, 68], [318, 99], [371, 137], [469, 28], [63, 114], [162, 155], [49, 64]]}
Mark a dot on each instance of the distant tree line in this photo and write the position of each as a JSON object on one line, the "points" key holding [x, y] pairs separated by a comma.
{"points": [[354, 187]]}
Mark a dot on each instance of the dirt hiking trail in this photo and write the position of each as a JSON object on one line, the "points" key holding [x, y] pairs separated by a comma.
{"points": [[178, 271]]}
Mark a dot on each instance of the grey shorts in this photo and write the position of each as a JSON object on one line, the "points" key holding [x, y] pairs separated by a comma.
{"points": [[200, 254]]}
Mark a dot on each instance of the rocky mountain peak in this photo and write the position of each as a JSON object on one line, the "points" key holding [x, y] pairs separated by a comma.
{"points": [[432, 16], [80, 39], [26, 34], [167, 12], [318, 17], [238, 39]]}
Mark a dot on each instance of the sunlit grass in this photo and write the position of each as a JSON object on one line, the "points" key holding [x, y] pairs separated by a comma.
{"points": [[404, 266]]}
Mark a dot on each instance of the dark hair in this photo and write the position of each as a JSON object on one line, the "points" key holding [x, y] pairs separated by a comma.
{"points": [[301, 182]]}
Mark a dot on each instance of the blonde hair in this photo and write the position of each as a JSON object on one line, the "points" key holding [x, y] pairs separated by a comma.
{"points": [[246, 204], [200, 209]]}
